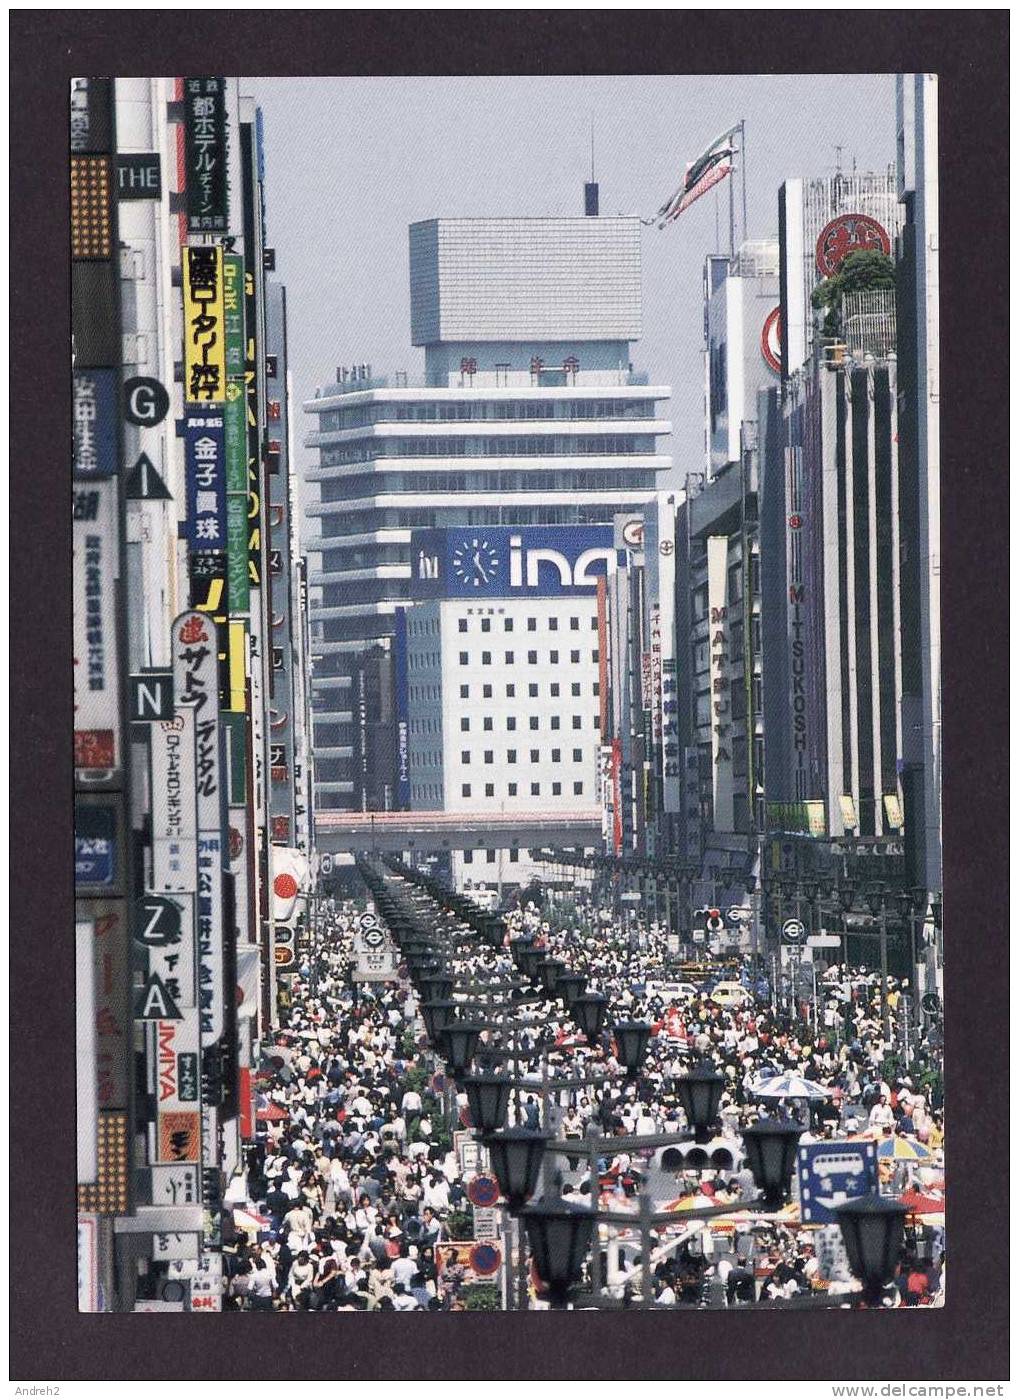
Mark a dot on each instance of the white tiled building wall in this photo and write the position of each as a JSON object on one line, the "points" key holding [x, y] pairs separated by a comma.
{"points": [[504, 708]]}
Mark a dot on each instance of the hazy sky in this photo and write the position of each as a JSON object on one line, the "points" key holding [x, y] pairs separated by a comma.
{"points": [[350, 162]]}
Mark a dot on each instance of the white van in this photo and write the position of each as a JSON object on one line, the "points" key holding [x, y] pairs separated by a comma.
{"points": [[673, 993]]}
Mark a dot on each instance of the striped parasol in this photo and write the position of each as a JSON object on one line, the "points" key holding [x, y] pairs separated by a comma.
{"points": [[789, 1086], [903, 1149]]}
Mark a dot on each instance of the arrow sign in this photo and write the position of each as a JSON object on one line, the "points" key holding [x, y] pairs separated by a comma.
{"points": [[144, 483], [154, 1003]]}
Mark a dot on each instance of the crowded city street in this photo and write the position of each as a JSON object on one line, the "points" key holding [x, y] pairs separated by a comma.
{"points": [[365, 1185]]}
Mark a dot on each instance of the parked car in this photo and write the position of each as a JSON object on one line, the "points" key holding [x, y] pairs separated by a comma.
{"points": [[729, 994], [672, 992]]}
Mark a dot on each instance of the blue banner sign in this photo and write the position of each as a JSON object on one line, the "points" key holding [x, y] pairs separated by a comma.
{"points": [[95, 846], [831, 1173], [205, 456], [537, 561], [95, 419]]}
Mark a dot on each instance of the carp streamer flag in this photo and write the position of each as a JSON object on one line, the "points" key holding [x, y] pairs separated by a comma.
{"points": [[714, 165]]}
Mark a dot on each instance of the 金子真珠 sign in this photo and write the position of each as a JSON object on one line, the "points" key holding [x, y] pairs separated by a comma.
{"points": [[205, 458]]}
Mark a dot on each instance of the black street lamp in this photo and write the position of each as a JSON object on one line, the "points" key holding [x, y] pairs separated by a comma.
{"points": [[435, 987], [516, 1155], [559, 1234], [631, 1042], [700, 1092], [488, 1100], [569, 986], [588, 1011], [458, 1041], [530, 959], [771, 1145], [436, 1016], [872, 1229], [549, 973], [519, 946]]}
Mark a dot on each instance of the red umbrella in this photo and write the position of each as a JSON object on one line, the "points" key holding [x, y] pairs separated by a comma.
{"points": [[272, 1114], [919, 1204]]}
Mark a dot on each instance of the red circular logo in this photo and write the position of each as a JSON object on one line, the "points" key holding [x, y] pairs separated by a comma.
{"points": [[795, 521], [771, 340], [849, 233], [236, 843], [285, 886]]}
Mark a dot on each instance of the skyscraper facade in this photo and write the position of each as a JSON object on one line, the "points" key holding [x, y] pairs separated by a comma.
{"points": [[529, 414]]}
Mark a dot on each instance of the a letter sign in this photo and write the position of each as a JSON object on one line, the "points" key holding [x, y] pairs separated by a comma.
{"points": [[146, 402], [151, 696], [138, 176]]}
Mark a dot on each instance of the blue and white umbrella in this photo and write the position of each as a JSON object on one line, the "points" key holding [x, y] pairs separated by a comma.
{"points": [[789, 1086]]}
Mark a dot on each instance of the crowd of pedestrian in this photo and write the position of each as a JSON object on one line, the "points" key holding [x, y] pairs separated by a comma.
{"points": [[353, 1185]]}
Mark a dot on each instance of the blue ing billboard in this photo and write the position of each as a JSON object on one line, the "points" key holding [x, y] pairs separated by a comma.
{"points": [[536, 561]]}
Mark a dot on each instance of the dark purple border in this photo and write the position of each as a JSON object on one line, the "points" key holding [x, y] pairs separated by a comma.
{"points": [[49, 1340]]}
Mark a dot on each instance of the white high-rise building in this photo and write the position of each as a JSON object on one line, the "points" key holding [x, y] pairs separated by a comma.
{"points": [[530, 414]]}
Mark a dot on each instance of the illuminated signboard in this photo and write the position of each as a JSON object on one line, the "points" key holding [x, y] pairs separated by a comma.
{"points": [[544, 561]]}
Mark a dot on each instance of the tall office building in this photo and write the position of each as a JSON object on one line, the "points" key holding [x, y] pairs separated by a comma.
{"points": [[529, 414], [920, 473]]}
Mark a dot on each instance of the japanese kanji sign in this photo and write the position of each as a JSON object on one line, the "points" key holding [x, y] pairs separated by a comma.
{"points": [[204, 326], [205, 455], [205, 154]]}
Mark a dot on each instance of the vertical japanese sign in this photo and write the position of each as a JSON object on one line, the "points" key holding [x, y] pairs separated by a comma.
{"points": [[204, 326], [205, 154], [95, 420], [718, 662], [85, 1050], [112, 1042], [254, 447], [205, 458], [402, 711], [95, 544], [174, 808], [236, 434], [174, 1050], [195, 678]]}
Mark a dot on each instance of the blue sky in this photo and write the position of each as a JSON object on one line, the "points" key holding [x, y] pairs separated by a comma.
{"points": [[350, 162]]}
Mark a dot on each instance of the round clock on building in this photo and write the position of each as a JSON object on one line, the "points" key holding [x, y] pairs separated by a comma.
{"points": [[475, 562]]}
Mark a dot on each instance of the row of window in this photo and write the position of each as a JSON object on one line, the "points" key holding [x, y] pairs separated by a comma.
{"points": [[382, 483], [512, 789], [420, 518], [554, 756], [477, 410], [554, 691], [532, 658], [514, 854], [515, 445], [552, 623]]}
